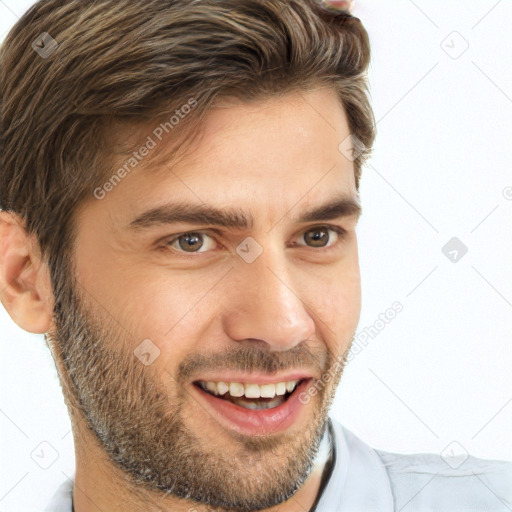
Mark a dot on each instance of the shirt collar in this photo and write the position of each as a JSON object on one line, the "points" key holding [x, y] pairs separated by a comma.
{"points": [[359, 481]]}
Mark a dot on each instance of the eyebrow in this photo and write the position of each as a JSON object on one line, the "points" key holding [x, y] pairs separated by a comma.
{"points": [[235, 218]]}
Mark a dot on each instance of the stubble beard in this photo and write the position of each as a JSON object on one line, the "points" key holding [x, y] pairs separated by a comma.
{"points": [[147, 431]]}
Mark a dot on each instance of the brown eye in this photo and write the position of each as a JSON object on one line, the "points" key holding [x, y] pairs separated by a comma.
{"points": [[321, 237], [317, 237], [190, 242]]}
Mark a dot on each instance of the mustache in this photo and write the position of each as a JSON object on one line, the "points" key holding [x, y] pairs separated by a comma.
{"points": [[255, 359]]}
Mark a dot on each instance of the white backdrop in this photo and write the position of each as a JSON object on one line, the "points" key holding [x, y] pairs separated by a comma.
{"points": [[437, 377]]}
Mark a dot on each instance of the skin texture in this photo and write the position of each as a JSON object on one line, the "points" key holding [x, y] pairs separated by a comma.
{"points": [[342, 5], [142, 440]]}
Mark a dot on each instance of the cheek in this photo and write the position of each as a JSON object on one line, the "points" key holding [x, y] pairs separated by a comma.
{"points": [[156, 304], [337, 303], [172, 312]]}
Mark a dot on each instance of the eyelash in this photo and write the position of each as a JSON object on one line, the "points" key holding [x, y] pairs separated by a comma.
{"points": [[337, 229]]}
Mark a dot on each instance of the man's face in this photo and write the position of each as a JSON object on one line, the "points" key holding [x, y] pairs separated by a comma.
{"points": [[216, 306]]}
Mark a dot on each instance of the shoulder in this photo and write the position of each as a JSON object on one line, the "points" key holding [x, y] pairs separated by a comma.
{"points": [[427, 481]]}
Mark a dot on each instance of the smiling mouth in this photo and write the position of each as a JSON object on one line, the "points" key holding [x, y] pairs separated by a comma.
{"points": [[251, 396]]}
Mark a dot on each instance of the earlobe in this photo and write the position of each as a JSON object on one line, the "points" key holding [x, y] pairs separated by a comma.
{"points": [[25, 289]]}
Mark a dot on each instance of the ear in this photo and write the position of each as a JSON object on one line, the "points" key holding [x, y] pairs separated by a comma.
{"points": [[25, 285]]}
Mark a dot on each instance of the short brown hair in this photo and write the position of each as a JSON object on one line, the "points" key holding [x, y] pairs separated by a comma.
{"points": [[126, 62]]}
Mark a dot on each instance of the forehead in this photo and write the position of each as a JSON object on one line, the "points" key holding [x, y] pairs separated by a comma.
{"points": [[253, 133], [269, 154]]}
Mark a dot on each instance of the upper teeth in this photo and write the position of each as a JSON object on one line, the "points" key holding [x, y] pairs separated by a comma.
{"points": [[249, 390]]}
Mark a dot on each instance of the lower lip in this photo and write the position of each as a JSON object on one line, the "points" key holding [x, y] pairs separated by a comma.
{"points": [[252, 421]]}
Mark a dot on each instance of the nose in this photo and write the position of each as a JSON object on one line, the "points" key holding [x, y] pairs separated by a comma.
{"points": [[265, 305]]}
